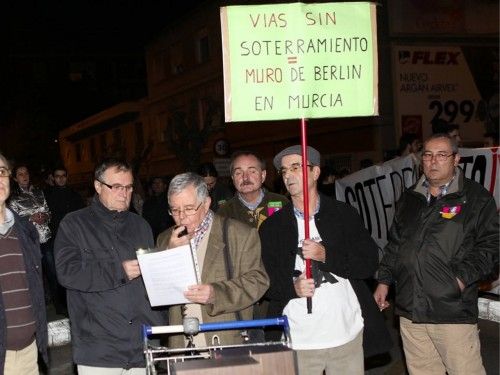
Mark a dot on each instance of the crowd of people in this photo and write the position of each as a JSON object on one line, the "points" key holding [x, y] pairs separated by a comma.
{"points": [[251, 250]]}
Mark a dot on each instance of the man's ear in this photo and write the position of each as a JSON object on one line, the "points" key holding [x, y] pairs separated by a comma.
{"points": [[263, 175], [316, 172], [97, 186]]}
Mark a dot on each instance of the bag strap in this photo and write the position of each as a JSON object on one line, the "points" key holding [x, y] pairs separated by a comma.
{"points": [[227, 257]]}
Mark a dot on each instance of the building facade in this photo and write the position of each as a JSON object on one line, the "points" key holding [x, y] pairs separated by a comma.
{"points": [[181, 120]]}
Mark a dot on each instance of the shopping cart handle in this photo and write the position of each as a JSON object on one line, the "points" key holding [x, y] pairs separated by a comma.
{"points": [[148, 330], [240, 324]]}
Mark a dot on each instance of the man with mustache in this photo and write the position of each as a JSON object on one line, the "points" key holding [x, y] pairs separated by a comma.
{"points": [[252, 203]]}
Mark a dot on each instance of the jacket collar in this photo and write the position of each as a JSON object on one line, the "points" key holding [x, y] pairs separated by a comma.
{"points": [[456, 186], [106, 214]]}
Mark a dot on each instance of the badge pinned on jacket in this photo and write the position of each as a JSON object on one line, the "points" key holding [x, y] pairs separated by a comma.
{"points": [[273, 206], [449, 212]]}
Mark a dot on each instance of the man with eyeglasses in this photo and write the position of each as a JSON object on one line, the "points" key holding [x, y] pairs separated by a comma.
{"points": [[96, 262], [252, 203], [23, 323], [443, 241], [344, 317], [219, 296]]}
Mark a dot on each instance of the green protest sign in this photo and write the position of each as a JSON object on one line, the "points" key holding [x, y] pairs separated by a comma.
{"points": [[290, 61]]}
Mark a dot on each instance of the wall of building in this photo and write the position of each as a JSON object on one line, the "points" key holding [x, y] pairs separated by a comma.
{"points": [[184, 74]]}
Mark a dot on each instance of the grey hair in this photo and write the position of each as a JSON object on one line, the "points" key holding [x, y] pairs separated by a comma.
{"points": [[453, 142], [107, 163], [183, 180]]}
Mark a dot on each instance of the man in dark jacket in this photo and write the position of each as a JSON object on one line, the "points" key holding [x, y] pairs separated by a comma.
{"points": [[155, 208], [443, 240], [61, 200], [23, 324], [219, 192], [344, 316], [96, 261]]}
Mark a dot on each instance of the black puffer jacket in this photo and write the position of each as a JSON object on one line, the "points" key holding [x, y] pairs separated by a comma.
{"points": [[106, 310], [428, 250]]}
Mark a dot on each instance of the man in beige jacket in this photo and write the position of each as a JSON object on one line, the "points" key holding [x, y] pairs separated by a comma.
{"points": [[216, 298]]}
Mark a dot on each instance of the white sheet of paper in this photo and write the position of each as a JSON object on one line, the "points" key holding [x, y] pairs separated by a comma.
{"points": [[167, 274]]}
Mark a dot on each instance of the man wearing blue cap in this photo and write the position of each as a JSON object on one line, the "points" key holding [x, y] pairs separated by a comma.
{"points": [[345, 323]]}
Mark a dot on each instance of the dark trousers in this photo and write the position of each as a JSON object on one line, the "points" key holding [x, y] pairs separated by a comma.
{"points": [[56, 291]]}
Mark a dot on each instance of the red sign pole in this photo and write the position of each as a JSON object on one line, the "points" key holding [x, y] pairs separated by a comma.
{"points": [[305, 191]]}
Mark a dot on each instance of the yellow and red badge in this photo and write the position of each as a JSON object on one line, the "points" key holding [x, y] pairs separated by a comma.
{"points": [[449, 212]]}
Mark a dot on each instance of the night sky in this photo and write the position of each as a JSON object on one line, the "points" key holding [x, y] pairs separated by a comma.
{"points": [[86, 24], [40, 43]]}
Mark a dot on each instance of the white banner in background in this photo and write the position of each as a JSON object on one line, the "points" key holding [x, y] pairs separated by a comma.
{"points": [[482, 166], [373, 191]]}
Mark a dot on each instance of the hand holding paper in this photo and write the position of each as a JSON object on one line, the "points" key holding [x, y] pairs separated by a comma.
{"points": [[202, 293], [167, 274], [131, 268]]}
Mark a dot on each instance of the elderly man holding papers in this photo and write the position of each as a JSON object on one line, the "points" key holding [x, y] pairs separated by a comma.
{"points": [[228, 258]]}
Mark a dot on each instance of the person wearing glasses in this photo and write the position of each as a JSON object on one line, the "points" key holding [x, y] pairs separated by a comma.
{"points": [[252, 203], [443, 241], [23, 322], [344, 316], [95, 255], [222, 295]]}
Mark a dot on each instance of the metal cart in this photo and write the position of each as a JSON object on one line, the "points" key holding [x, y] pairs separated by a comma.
{"points": [[190, 327]]}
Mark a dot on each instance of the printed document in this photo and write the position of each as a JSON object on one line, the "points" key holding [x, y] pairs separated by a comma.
{"points": [[167, 274]]}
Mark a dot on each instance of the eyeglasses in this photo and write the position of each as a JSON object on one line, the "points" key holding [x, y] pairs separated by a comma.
{"points": [[295, 167], [440, 156], [4, 172], [190, 211], [118, 188], [62, 175]]}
